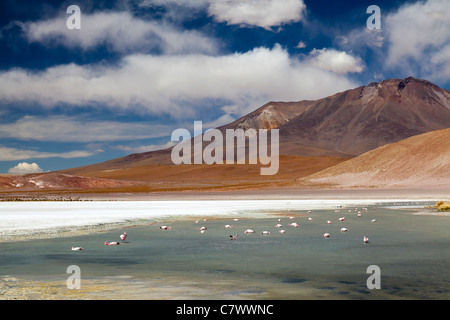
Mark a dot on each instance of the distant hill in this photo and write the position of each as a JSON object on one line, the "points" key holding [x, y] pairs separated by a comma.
{"points": [[422, 161]]}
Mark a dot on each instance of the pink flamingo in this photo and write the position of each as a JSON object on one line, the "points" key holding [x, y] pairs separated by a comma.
{"points": [[165, 228], [326, 235], [233, 237], [249, 231], [123, 236], [77, 248], [266, 232], [113, 243], [365, 239]]}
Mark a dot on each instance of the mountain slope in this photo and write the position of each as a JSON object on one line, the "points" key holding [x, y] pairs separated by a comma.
{"points": [[315, 134], [359, 120], [419, 161]]}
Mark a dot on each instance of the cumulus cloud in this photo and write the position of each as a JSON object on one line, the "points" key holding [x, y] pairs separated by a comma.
{"points": [[301, 45], [335, 61], [177, 85], [67, 129], [119, 31], [25, 168], [11, 154], [262, 13], [418, 36]]}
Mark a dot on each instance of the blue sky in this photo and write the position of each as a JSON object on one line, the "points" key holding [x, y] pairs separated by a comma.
{"points": [[139, 69]]}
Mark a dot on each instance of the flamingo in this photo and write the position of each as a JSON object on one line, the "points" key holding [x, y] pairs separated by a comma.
{"points": [[358, 215], [202, 228], [278, 225], [293, 224], [249, 231], [77, 248], [282, 231], [328, 221], [233, 237], [326, 235], [123, 236], [365, 239], [373, 220], [165, 228], [113, 243], [266, 232], [310, 219], [342, 219], [344, 230], [229, 226]]}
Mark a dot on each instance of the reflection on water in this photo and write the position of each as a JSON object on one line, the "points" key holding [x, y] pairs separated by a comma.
{"points": [[182, 263]]}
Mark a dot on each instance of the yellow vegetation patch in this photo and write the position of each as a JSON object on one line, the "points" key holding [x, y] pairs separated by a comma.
{"points": [[443, 206]]}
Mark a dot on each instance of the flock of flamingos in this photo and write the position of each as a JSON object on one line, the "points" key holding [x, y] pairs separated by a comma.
{"points": [[203, 229]]}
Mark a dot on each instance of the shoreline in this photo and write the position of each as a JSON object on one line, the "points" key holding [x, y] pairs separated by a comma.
{"points": [[47, 220], [282, 193]]}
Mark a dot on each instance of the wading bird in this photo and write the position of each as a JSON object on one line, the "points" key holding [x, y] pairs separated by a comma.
{"points": [[113, 243], [233, 237]]}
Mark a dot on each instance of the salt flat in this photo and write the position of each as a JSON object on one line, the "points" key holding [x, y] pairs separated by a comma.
{"points": [[29, 218]]}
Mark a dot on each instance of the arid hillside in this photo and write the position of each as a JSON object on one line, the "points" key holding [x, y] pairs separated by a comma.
{"points": [[418, 162]]}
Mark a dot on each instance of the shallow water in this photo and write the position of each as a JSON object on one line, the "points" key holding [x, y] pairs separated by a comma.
{"points": [[182, 263]]}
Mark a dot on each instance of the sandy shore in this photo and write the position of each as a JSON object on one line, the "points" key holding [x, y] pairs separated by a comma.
{"points": [[275, 194]]}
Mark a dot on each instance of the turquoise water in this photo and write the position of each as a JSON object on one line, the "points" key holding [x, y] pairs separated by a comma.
{"points": [[412, 252]]}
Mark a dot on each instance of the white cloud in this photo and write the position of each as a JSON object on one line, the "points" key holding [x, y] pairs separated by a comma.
{"points": [[335, 61], [121, 32], [147, 148], [176, 84], [262, 13], [25, 168], [418, 36], [362, 38], [67, 129], [11, 154], [301, 45]]}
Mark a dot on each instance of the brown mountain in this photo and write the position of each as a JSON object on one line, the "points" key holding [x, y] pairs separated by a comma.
{"points": [[359, 120], [314, 135], [417, 162]]}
